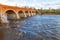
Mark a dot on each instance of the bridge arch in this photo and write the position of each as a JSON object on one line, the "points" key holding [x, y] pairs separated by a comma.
{"points": [[11, 14], [21, 14], [27, 13], [30, 13]]}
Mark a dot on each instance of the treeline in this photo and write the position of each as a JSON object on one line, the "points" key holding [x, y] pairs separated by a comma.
{"points": [[48, 12]]}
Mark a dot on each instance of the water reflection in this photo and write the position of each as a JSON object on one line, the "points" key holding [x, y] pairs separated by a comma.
{"points": [[34, 28], [9, 31]]}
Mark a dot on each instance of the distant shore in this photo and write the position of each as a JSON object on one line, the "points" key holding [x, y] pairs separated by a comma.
{"points": [[49, 15]]}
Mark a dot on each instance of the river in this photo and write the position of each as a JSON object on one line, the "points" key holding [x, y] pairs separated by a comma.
{"points": [[38, 28]]}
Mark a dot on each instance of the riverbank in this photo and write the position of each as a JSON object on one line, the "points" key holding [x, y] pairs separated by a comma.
{"points": [[49, 15]]}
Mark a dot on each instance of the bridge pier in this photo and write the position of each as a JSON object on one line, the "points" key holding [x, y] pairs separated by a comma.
{"points": [[29, 14], [4, 18], [18, 16], [25, 15], [33, 14]]}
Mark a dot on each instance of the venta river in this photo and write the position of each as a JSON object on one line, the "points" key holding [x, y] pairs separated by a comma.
{"points": [[38, 28]]}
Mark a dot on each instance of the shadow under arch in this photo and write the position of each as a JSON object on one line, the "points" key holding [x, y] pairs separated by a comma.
{"points": [[21, 14], [27, 13], [30, 13], [11, 15]]}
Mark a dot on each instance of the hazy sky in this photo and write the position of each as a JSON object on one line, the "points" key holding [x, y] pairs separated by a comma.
{"points": [[33, 3]]}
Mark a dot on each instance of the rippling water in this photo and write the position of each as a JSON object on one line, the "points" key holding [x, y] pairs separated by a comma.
{"points": [[39, 27]]}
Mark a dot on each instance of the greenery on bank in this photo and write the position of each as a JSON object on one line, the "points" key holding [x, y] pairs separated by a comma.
{"points": [[48, 12]]}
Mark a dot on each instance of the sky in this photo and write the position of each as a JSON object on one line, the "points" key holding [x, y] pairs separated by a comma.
{"points": [[38, 4]]}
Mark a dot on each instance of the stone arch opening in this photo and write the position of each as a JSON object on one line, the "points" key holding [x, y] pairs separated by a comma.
{"points": [[27, 13], [11, 15], [21, 14], [30, 13]]}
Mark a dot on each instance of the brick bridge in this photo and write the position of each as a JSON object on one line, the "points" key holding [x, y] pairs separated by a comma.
{"points": [[14, 12]]}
